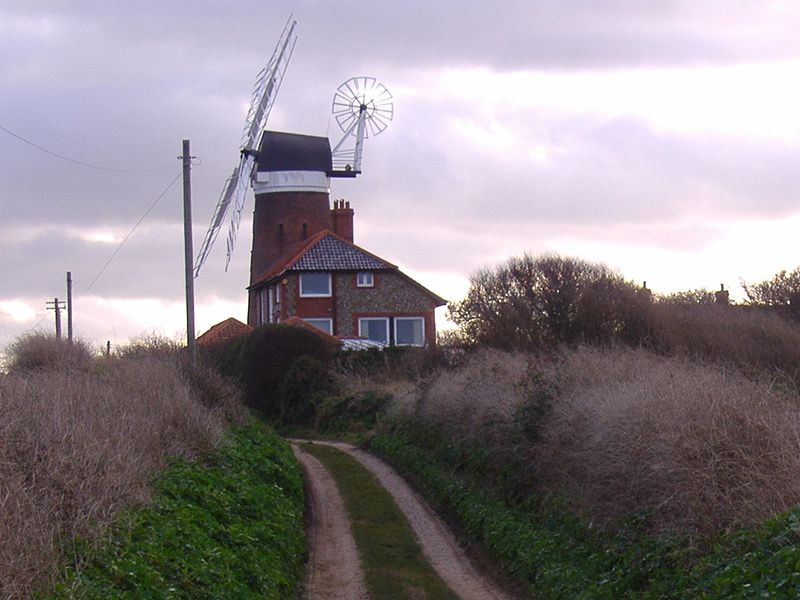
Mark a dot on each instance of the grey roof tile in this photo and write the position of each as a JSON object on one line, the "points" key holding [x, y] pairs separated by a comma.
{"points": [[333, 254]]}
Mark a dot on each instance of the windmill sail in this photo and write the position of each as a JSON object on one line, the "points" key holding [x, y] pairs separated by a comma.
{"points": [[235, 189]]}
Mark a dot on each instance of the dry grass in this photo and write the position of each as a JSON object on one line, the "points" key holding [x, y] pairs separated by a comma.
{"points": [[752, 339], [76, 445], [697, 448], [487, 388]]}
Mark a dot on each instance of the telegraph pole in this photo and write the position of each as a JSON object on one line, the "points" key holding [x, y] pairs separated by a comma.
{"points": [[191, 346], [57, 306], [69, 306]]}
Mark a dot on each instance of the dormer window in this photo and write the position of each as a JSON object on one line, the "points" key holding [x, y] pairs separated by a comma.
{"points": [[365, 279], [315, 285], [305, 231]]}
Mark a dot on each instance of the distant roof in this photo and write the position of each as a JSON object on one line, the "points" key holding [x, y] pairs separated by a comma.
{"points": [[281, 151], [224, 331]]}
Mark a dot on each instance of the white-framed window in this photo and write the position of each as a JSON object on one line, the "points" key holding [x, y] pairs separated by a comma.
{"points": [[315, 285], [409, 331], [374, 328], [263, 308], [322, 323], [365, 279], [274, 304]]}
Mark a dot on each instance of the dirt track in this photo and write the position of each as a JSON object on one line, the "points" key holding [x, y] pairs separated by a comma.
{"points": [[334, 571], [331, 524]]}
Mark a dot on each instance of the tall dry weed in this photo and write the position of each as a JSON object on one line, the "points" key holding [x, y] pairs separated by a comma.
{"points": [[695, 448], [78, 445], [749, 338], [487, 388]]}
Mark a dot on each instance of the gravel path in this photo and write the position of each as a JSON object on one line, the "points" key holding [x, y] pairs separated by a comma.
{"points": [[436, 541], [334, 571]]}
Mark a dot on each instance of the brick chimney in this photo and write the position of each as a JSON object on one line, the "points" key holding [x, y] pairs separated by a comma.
{"points": [[342, 219], [722, 296]]}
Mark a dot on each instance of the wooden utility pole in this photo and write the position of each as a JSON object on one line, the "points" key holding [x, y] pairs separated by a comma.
{"points": [[57, 306], [191, 346], [69, 306]]}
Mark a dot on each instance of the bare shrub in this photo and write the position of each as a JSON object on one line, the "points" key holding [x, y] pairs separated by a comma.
{"points": [[76, 446], [487, 388], [43, 351], [781, 293], [697, 448], [751, 339], [152, 345]]}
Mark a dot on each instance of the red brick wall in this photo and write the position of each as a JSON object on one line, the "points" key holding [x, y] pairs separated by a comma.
{"points": [[342, 219], [273, 244]]}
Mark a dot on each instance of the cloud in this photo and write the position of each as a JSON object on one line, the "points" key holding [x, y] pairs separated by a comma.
{"points": [[518, 126]]}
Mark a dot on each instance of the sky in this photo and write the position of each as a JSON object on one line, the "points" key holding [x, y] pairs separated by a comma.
{"points": [[661, 138]]}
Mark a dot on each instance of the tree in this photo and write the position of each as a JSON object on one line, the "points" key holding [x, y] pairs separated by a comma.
{"points": [[530, 302], [781, 292]]}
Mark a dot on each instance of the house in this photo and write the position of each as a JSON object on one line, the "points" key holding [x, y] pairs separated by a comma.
{"points": [[305, 264]]}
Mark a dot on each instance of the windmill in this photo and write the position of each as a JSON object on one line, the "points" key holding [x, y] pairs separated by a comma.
{"points": [[362, 107], [235, 189]]}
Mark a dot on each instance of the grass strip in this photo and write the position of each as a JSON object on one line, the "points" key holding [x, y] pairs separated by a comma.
{"points": [[229, 527], [393, 564]]}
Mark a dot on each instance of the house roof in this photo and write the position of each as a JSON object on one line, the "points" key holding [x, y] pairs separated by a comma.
{"points": [[298, 322], [326, 251], [223, 331], [329, 252]]}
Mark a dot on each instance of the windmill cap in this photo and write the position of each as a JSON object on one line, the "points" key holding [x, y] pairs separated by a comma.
{"points": [[281, 151]]}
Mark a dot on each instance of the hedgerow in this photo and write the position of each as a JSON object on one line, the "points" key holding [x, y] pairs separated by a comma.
{"points": [[230, 527]]}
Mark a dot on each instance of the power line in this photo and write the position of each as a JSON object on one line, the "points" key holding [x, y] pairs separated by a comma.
{"points": [[130, 233], [79, 162]]}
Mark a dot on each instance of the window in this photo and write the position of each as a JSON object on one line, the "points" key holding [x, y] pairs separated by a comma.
{"points": [[409, 331], [364, 279], [325, 325], [375, 329], [315, 285]]}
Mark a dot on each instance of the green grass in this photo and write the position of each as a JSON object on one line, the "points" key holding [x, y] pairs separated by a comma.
{"points": [[393, 564], [559, 557], [231, 527]]}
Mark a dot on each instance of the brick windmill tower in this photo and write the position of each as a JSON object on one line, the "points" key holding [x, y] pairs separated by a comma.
{"points": [[304, 267]]}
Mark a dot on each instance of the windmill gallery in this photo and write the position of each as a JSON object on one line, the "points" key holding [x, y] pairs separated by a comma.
{"points": [[305, 268]]}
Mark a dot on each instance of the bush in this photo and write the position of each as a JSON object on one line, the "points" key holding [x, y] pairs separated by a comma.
{"points": [[261, 359], [304, 388], [39, 351], [392, 362], [352, 413]]}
